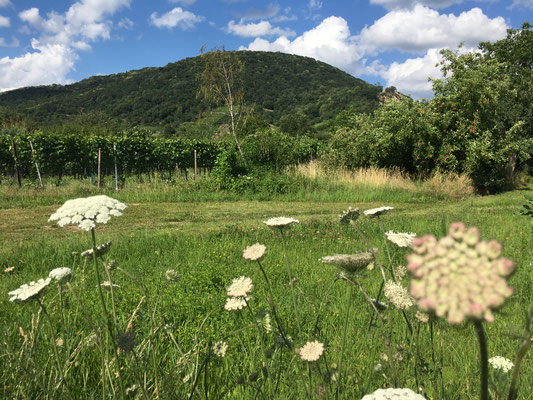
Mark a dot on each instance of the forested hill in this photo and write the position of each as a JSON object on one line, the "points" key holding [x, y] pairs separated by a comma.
{"points": [[277, 84]]}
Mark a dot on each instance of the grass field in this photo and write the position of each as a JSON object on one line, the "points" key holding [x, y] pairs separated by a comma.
{"points": [[201, 234]]}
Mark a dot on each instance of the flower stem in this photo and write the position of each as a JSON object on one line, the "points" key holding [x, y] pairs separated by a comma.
{"points": [[108, 320], [349, 294], [524, 347], [54, 346], [483, 360]]}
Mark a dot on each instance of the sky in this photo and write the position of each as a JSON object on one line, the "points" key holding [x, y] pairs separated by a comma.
{"points": [[385, 42]]}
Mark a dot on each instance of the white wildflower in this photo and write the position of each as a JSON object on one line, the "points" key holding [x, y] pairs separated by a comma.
{"points": [[265, 321], [60, 275], [234, 304], [422, 316], [393, 394], [220, 349], [172, 275], [255, 252], [280, 222], [398, 295], [349, 215], [374, 212], [240, 287], [501, 363], [86, 225], [86, 212], [311, 351], [107, 285], [29, 291], [350, 262], [401, 239], [100, 250]]}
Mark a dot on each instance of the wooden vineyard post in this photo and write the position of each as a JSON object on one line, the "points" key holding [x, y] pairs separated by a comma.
{"points": [[19, 178], [36, 165], [116, 174], [99, 164], [195, 164]]}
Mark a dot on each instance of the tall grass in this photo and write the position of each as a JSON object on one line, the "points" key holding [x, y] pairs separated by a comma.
{"points": [[449, 185], [180, 322]]}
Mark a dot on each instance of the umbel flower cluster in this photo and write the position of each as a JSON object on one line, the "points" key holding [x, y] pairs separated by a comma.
{"points": [[501, 363], [350, 262], [459, 276], [86, 212], [29, 291], [393, 394]]}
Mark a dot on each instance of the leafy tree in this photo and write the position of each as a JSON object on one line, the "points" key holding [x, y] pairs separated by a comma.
{"points": [[478, 116], [221, 82]]}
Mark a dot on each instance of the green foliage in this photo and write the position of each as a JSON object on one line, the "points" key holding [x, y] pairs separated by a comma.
{"points": [[277, 84], [270, 148]]}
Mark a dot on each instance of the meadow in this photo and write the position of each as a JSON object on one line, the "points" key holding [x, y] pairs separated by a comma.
{"points": [[161, 334]]}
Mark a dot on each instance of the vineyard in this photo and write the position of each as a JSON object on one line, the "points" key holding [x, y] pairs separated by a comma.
{"points": [[135, 152]]}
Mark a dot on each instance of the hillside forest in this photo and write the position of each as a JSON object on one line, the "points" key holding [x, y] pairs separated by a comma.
{"points": [[251, 114]]}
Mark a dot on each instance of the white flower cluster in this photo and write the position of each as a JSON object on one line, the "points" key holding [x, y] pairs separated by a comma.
{"points": [[255, 252], [234, 303], [393, 394], [374, 212], [398, 295], [501, 363], [29, 291], [401, 239], [60, 275], [240, 287], [220, 349], [100, 250], [311, 351], [86, 212], [280, 222]]}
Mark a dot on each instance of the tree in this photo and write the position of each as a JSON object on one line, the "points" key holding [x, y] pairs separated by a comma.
{"points": [[477, 112], [221, 81]]}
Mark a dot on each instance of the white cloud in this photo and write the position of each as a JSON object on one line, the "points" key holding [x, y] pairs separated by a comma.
{"points": [[330, 42], [4, 22], [262, 28], [4, 3], [315, 4], [184, 2], [411, 76], [266, 13], [48, 64], [61, 36], [125, 23], [407, 4], [175, 17], [522, 3], [422, 28]]}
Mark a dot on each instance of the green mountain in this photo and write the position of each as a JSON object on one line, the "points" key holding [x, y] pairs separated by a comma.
{"points": [[277, 84]]}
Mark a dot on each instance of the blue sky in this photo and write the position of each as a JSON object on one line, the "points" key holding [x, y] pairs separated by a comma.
{"points": [[393, 42]]}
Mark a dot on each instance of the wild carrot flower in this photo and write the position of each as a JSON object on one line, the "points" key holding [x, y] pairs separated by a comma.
{"points": [[234, 304], [220, 349], [393, 394], [349, 215], [172, 275], [29, 291], [398, 295], [255, 252], [280, 222], [401, 239], [350, 262], [422, 316], [107, 285], [311, 351], [240, 287], [374, 212], [60, 275], [100, 250], [87, 212], [459, 276], [501, 363]]}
